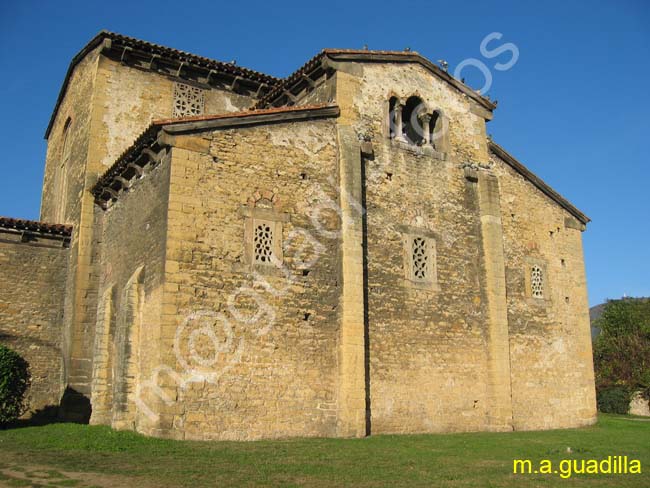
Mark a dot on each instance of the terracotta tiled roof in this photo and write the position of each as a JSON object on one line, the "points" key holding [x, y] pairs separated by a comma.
{"points": [[163, 52], [189, 57], [36, 226], [286, 82], [243, 113]]}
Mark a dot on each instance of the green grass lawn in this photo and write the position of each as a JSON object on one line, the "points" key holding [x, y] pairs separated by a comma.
{"points": [[476, 460]]}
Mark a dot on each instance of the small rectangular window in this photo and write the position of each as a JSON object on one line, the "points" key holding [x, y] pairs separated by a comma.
{"points": [[263, 243], [536, 279], [536, 282], [420, 259]]}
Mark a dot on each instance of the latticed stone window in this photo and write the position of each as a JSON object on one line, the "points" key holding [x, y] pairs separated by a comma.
{"points": [[188, 100], [420, 259], [263, 243], [536, 282], [263, 221]]}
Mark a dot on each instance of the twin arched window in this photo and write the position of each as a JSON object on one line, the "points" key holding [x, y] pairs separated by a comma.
{"points": [[413, 123]]}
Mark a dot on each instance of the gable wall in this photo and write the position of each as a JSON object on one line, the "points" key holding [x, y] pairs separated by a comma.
{"points": [[274, 376], [427, 347], [550, 340]]}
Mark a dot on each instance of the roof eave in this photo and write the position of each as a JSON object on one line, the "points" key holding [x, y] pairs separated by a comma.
{"points": [[234, 70], [24, 225], [349, 55], [92, 44], [154, 135]]}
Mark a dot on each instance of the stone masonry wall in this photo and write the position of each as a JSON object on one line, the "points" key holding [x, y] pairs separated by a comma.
{"points": [[108, 105], [77, 107], [70, 167], [268, 368], [163, 283], [427, 345], [550, 341], [132, 252], [32, 284]]}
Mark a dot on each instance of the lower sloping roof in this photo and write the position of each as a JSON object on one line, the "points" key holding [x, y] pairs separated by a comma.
{"points": [[277, 96], [35, 226], [113, 179]]}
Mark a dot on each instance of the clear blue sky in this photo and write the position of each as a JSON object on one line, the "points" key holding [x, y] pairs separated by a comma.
{"points": [[575, 108]]}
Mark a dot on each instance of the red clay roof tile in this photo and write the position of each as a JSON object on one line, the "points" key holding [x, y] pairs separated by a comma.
{"points": [[36, 226]]}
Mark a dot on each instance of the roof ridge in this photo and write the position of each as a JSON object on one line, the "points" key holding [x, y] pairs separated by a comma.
{"points": [[285, 81]]}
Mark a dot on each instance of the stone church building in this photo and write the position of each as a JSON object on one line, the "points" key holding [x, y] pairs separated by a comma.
{"points": [[222, 254]]}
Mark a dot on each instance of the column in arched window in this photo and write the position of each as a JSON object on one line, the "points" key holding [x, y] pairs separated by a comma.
{"points": [[439, 132], [395, 119]]}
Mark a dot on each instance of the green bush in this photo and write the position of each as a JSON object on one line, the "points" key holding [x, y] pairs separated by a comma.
{"points": [[14, 382], [622, 353], [615, 399]]}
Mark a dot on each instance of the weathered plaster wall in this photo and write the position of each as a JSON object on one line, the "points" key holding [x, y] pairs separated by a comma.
{"points": [[274, 376], [32, 284], [142, 96], [550, 341]]}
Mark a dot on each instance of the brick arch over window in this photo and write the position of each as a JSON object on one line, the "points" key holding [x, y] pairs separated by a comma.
{"points": [[264, 199]]}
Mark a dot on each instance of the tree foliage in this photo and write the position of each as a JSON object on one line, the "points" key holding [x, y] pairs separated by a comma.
{"points": [[622, 350], [14, 382]]}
